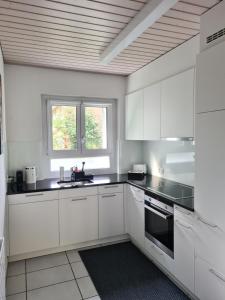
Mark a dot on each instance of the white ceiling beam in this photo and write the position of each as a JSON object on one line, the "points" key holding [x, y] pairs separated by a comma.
{"points": [[146, 17]]}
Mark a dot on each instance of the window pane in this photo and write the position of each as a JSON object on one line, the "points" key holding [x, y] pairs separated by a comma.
{"points": [[98, 162], [64, 135], [95, 128]]}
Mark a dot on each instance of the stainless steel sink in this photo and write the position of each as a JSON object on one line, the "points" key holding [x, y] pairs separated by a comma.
{"points": [[74, 183]]}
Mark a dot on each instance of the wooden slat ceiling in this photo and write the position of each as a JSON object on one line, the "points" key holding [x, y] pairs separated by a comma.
{"points": [[71, 34]]}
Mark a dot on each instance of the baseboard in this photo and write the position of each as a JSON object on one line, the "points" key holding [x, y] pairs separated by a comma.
{"points": [[80, 246]]}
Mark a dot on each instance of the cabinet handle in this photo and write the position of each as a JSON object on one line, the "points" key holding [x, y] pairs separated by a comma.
{"points": [[207, 223], [34, 195], [111, 186], [78, 199], [220, 276], [141, 201], [153, 247], [185, 226], [108, 196], [183, 212]]}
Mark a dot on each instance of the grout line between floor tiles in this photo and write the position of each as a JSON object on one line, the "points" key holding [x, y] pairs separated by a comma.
{"points": [[74, 277], [41, 287], [47, 268]]}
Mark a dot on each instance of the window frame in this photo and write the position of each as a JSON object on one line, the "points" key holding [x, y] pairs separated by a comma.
{"points": [[81, 102]]}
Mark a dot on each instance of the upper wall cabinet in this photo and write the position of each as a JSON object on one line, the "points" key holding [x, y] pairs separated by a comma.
{"points": [[134, 116], [177, 105], [210, 78], [143, 114], [152, 112]]}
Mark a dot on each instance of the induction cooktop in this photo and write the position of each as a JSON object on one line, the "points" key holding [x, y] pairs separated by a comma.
{"points": [[172, 190]]}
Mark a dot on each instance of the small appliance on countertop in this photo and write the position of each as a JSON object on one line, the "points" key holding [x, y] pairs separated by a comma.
{"points": [[30, 175], [138, 173]]}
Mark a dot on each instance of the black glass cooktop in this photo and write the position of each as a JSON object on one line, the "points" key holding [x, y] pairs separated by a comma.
{"points": [[172, 190]]}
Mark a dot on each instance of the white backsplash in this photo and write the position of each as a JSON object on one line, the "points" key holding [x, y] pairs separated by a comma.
{"points": [[173, 160]]}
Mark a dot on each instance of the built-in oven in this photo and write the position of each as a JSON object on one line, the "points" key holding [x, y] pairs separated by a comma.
{"points": [[159, 224]]}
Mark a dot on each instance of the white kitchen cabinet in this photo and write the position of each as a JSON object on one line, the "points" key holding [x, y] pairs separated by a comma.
{"points": [[78, 219], [32, 197], [210, 243], [135, 214], [33, 226], [177, 105], [210, 79], [110, 189], [134, 116], [184, 251], [209, 282], [111, 215], [159, 256], [210, 168], [151, 112]]}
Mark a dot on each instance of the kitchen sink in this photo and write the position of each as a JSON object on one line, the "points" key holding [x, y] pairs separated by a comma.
{"points": [[70, 183]]}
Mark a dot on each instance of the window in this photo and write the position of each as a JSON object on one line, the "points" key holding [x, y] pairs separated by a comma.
{"points": [[80, 129]]}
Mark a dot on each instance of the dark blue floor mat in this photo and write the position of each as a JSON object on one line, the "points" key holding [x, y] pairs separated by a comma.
{"points": [[122, 272]]}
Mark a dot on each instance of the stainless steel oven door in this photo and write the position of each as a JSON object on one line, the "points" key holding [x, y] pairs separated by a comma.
{"points": [[159, 227]]}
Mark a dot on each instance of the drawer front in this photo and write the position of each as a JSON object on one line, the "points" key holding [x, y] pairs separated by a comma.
{"points": [[182, 213], [33, 197], [77, 192], [210, 243], [110, 188], [162, 258], [209, 281]]}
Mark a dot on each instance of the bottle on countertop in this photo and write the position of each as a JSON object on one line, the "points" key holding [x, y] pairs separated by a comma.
{"points": [[61, 173]]}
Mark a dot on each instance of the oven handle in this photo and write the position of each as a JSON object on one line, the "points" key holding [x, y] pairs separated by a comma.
{"points": [[161, 214]]}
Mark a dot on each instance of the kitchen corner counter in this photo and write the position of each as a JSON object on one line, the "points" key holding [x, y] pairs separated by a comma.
{"points": [[146, 184]]}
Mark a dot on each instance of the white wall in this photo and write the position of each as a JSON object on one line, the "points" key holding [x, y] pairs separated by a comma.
{"points": [[3, 171], [172, 160], [24, 86]]}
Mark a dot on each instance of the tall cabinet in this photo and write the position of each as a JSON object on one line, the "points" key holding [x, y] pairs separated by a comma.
{"points": [[210, 174]]}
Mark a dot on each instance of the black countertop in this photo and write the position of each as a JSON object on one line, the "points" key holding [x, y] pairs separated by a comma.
{"points": [[150, 184]]}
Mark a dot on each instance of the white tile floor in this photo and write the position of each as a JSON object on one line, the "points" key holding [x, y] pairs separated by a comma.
{"points": [[51, 277]]}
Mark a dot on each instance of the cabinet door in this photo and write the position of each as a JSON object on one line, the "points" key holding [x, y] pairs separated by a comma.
{"points": [[152, 112], [183, 259], [33, 226], [134, 116], [111, 215], [210, 79], [159, 256], [209, 282], [135, 211], [177, 105], [78, 219], [210, 167]]}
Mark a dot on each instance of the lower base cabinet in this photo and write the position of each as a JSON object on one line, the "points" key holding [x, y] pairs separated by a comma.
{"points": [[111, 215], [33, 226], [209, 283], [78, 217], [184, 251], [159, 256], [135, 214]]}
